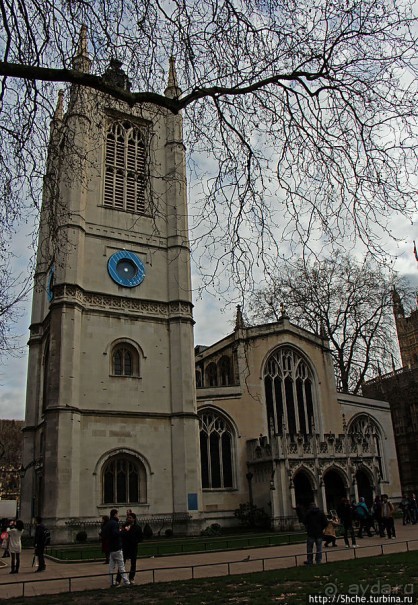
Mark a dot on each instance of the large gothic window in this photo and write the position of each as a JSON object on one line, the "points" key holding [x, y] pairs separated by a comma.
{"points": [[288, 384], [124, 480], [216, 451], [124, 187]]}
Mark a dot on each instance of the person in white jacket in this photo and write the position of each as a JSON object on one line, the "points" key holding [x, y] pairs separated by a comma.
{"points": [[15, 532]]}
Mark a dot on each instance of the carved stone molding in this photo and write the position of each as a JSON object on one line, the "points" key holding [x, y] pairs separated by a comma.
{"points": [[75, 294]]}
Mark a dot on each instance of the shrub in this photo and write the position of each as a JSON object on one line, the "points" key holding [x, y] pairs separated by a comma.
{"points": [[252, 516], [81, 537], [212, 530], [168, 533]]}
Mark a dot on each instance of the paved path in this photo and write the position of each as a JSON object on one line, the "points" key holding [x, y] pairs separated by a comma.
{"points": [[64, 576]]}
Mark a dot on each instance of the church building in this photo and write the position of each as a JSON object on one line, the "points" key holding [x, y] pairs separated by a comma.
{"points": [[119, 412]]}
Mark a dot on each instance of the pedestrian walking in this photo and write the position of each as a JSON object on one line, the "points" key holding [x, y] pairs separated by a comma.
{"points": [[131, 536], [15, 532], [345, 514], [40, 543], [112, 534], [387, 517], [315, 523]]}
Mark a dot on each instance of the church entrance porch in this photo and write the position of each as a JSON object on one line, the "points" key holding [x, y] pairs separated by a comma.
{"points": [[335, 489]]}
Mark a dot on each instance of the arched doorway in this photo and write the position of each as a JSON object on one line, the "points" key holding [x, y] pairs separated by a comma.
{"points": [[364, 487], [334, 489], [303, 491]]}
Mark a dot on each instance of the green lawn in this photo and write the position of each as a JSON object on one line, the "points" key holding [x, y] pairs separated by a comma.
{"points": [[391, 575], [175, 546]]}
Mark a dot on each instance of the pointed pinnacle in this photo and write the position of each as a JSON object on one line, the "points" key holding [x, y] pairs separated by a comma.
{"points": [[173, 90], [82, 61], [59, 109]]}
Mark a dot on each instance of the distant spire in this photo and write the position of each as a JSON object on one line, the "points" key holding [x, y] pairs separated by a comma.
{"points": [[59, 109], [82, 61], [239, 321], [173, 91], [398, 309]]}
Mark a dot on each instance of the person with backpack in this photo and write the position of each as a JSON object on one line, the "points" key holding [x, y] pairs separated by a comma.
{"points": [[364, 517], [41, 539]]}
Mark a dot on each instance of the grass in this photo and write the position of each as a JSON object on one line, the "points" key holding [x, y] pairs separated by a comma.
{"points": [[173, 547], [392, 574]]}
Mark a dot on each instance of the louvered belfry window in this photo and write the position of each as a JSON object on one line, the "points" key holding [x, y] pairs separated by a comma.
{"points": [[125, 168]]}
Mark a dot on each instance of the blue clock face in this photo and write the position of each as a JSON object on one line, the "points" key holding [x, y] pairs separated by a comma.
{"points": [[126, 269]]}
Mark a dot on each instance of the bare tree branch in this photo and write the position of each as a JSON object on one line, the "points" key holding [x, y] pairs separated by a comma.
{"points": [[348, 302]]}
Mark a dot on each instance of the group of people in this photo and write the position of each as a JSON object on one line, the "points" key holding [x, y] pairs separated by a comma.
{"points": [[120, 544], [322, 528], [11, 542]]}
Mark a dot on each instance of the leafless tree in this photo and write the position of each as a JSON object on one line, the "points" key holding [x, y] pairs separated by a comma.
{"points": [[304, 113], [346, 301], [14, 289]]}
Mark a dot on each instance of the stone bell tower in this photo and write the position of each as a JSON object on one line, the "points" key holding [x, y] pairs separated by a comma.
{"points": [[111, 413]]}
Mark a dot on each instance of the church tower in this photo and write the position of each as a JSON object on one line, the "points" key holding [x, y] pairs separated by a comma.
{"points": [[111, 413], [407, 330]]}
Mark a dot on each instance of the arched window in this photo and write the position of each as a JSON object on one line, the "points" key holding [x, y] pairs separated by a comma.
{"points": [[216, 451], [224, 366], [125, 360], [198, 378], [211, 375], [124, 480], [288, 384], [124, 187], [365, 428]]}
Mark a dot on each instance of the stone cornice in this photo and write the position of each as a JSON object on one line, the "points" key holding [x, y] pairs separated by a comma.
{"points": [[73, 294]]}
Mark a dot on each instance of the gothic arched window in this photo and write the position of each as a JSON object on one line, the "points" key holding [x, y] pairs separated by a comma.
{"points": [[124, 187], [288, 384], [124, 480], [224, 366], [216, 451], [125, 360], [211, 375], [364, 428]]}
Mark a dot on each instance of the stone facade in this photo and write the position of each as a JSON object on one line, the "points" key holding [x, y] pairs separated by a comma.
{"points": [[400, 389], [112, 416], [345, 447]]}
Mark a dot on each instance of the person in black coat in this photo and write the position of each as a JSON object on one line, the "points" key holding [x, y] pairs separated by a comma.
{"points": [[131, 536], [112, 534], [345, 513], [40, 543], [315, 523]]}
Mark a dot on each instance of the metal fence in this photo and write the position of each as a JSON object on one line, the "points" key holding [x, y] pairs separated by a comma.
{"points": [[225, 568]]}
